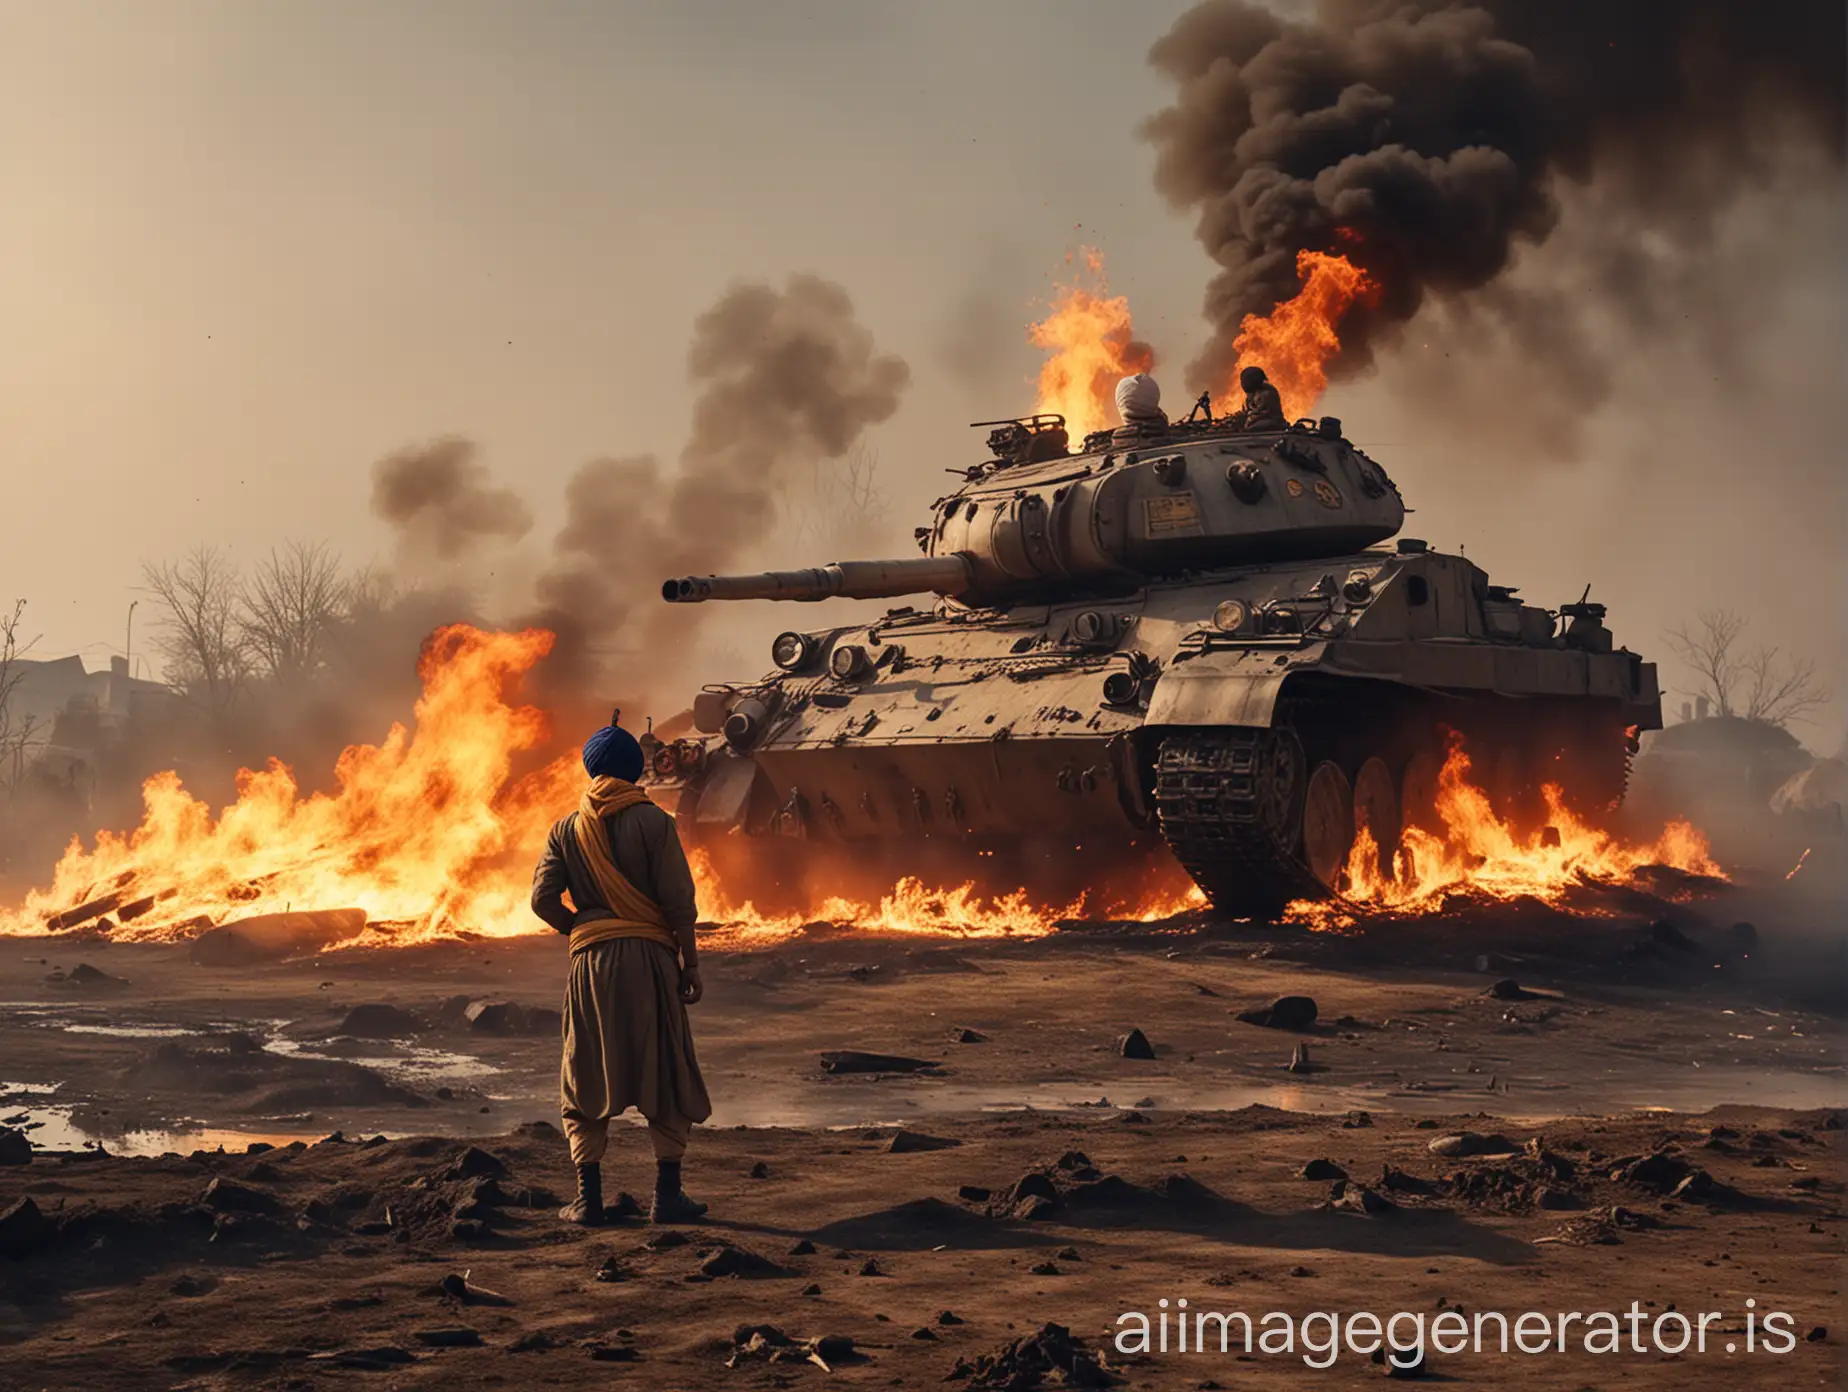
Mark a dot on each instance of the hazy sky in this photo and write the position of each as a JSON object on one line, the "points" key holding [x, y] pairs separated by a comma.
{"points": [[248, 248]]}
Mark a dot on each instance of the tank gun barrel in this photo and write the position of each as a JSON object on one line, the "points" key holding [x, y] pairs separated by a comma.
{"points": [[944, 575]]}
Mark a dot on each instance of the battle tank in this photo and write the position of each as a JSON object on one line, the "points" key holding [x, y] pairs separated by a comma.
{"points": [[1184, 633]]}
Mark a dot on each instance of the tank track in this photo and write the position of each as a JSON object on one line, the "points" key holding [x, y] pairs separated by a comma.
{"points": [[1216, 797]]}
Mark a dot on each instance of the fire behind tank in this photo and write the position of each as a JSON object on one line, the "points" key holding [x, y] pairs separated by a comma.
{"points": [[1184, 635]]}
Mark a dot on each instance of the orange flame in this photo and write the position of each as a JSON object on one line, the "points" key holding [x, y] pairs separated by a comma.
{"points": [[1481, 856], [432, 834], [1093, 347], [1294, 342], [415, 834]]}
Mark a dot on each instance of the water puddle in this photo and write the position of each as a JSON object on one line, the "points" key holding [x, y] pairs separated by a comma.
{"points": [[406, 1062], [50, 1125]]}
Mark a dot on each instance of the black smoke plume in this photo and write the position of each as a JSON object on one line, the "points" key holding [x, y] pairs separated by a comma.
{"points": [[1428, 141]]}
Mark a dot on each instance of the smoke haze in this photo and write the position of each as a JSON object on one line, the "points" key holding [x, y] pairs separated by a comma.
{"points": [[784, 377]]}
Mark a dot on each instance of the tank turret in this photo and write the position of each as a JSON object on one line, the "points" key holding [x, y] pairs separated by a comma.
{"points": [[1182, 498]]}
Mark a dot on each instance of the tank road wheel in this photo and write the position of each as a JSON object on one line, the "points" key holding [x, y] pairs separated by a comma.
{"points": [[1376, 811], [1328, 822], [1230, 804], [1418, 791]]}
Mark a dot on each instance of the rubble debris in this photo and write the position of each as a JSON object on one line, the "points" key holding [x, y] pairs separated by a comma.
{"points": [[905, 1142], [24, 1230], [272, 937], [1135, 1045], [228, 1196], [1600, 1227], [459, 1287], [511, 1018], [1399, 1182], [1284, 1013], [1508, 989], [1357, 1198], [1299, 1060], [1036, 1360], [839, 1061], [1322, 1170], [378, 1020], [15, 1147], [1661, 1171], [969, 1036], [1356, 1121], [972, 1193], [1462, 1144]]}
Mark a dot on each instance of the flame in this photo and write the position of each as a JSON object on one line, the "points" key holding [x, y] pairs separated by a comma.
{"points": [[433, 833], [964, 911], [1093, 347], [1480, 855], [417, 833], [1294, 342]]}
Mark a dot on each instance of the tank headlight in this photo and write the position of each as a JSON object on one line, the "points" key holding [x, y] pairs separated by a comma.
{"points": [[792, 651], [1230, 616], [849, 662], [1359, 587], [1122, 689]]}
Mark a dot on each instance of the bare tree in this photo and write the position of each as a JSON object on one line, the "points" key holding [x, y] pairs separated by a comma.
{"points": [[201, 634], [1780, 691], [1707, 650], [841, 504], [1757, 684], [289, 610], [16, 729]]}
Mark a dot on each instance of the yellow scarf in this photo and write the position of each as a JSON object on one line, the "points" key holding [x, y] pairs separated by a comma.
{"points": [[632, 913]]}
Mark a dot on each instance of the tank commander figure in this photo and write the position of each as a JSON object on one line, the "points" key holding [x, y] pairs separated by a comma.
{"points": [[1138, 402], [1263, 408], [634, 971]]}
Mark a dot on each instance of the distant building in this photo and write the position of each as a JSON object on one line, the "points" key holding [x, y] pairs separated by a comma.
{"points": [[70, 714]]}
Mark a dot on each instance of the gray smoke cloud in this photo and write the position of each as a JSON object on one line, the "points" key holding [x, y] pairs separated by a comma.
{"points": [[1431, 142], [439, 501], [784, 376]]}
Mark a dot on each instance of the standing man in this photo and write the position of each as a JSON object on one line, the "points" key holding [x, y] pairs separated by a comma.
{"points": [[1263, 409], [634, 970]]}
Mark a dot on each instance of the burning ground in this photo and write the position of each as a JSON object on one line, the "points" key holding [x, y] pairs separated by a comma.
{"points": [[432, 833]]}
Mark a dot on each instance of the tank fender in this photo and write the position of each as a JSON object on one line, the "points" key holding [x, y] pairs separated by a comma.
{"points": [[734, 785], [1218, 689]]}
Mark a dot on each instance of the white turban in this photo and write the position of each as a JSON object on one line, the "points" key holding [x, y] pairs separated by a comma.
{"points": [[1138, 398]]}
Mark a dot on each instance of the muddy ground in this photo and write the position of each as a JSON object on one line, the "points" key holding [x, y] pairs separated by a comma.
{"points": [[1074, 1183]]}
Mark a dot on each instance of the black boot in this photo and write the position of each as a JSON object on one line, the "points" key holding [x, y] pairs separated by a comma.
{"points": [[587, 1209], [671, 1205]]}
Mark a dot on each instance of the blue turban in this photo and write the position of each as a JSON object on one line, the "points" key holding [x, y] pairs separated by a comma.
{"points": [[613, 753]]}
